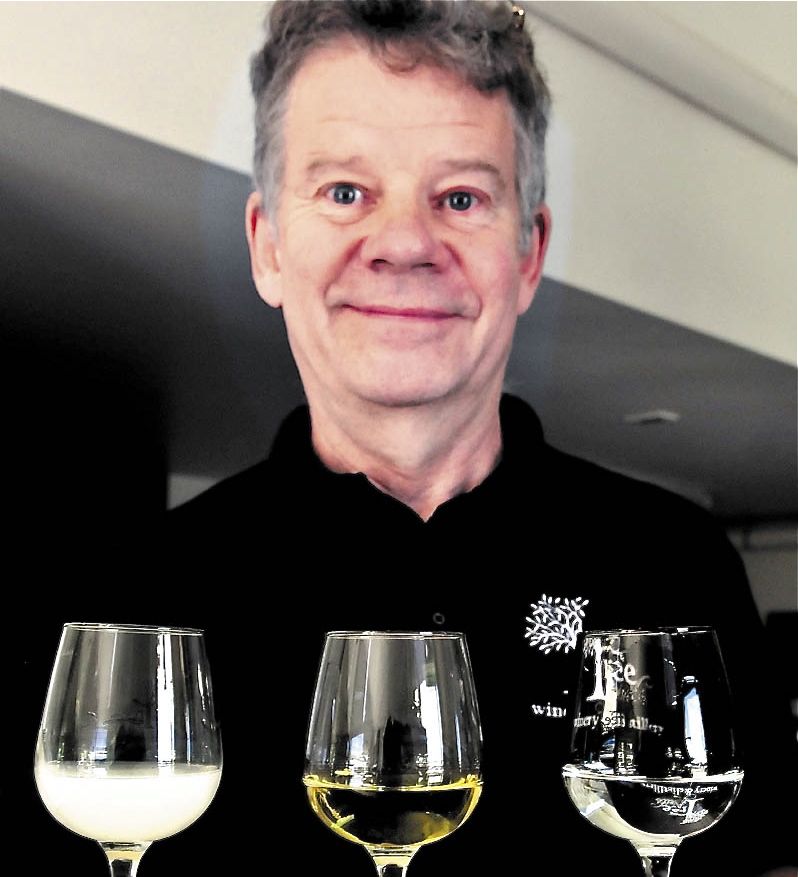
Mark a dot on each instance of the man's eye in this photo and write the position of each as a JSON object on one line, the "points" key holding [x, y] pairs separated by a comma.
{"points": [[344, 193], [460, 201]]}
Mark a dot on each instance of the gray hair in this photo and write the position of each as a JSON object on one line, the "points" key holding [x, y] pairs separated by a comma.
{"points": [[485, 43]]}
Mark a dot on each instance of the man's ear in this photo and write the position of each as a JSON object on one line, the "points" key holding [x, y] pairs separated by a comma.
{"points": [[532, 260], [264, 255]]}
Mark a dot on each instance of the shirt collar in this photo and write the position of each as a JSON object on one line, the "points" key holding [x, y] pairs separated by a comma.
{"points": [[294, 458]]}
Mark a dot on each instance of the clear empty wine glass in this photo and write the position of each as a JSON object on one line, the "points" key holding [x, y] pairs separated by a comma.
{"points": [[653, 757], [394, 742], [128, 750]]}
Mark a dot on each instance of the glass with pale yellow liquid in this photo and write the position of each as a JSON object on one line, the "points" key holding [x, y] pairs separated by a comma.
{"points": [[393, 758]]}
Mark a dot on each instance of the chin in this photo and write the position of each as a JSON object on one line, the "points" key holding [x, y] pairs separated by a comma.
{"points": [[404, 393]]}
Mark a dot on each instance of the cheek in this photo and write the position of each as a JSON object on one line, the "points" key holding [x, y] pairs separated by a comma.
{"points": [[317, 258], [495, 273]]}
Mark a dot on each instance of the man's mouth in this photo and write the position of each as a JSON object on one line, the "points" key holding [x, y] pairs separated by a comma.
{"points": [[402, 313]]}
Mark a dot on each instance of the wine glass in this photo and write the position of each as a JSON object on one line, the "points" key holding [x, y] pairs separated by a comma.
{"points": [[394, 742], [653, 757], [128, 750]]}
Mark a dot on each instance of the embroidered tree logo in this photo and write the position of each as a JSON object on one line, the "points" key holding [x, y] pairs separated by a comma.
{"points": [[555, 623]]}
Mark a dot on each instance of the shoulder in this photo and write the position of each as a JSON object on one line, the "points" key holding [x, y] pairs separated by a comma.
{"points": [[563, 479], [622, 504], [609, 488], [667, 541], [581, 489]]}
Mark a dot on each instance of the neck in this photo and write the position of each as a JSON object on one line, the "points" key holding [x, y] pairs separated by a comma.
{"points": [[421, 455]]}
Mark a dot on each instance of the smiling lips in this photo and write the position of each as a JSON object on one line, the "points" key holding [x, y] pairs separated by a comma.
{"points": [[403, 313]]}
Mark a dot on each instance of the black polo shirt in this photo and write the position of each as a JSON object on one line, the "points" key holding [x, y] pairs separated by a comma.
{"points": [[269, 560]]}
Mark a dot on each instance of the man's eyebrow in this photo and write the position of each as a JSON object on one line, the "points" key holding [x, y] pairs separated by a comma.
{"points": [[455, 165], [360, 164], [323, 164]]}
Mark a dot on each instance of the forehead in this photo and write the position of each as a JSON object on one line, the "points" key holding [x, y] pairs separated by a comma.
{"points": [[342, 94]]}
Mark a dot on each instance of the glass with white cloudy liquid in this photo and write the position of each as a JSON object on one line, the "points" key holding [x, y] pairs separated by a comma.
{"points": [[128, 750]]}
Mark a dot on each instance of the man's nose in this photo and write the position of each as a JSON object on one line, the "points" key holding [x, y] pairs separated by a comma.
{"points": [[404, 236]]}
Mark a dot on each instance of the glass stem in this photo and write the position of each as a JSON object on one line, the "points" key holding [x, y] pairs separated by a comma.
{"points": [[124, 858], [393, 863], [657, 866]]}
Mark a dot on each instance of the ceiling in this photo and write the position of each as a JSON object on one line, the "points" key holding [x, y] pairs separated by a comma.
{"points": [[734, 61], [759, 34], [128, 302]]}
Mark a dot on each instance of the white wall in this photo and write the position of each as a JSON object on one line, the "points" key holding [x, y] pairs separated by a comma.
{"points": [[657, 205], [173, 73], [664, 208]]}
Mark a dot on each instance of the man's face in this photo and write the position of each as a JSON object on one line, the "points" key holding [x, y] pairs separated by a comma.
{"points": [[395, 258]]}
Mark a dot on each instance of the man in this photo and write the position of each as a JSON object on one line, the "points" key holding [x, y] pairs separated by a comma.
{"points": [[401, 315], [399, 224]]}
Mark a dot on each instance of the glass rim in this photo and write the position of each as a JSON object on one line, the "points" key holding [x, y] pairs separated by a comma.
{"points": [[394, 634], [134, 628], [652, 631]]}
